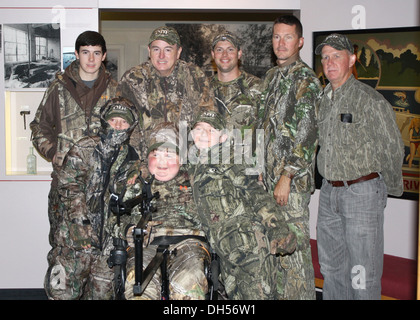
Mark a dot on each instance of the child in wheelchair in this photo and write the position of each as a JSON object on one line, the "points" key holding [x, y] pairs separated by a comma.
{"points": [[175, 225]]}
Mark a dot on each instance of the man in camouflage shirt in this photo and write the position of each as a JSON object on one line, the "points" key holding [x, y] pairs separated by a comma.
{"points": [[360, 158], [237, 92], [243, 224], [70, 109], [289, 122], [165, 88], [93, 169]]}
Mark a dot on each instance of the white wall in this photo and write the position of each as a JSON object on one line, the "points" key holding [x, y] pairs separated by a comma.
{"points": [[24, 223]]}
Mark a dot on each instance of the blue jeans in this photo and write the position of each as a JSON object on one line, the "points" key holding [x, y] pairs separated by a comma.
{"points": [[350, 238]]}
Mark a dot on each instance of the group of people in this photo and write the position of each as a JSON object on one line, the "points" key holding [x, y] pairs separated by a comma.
{"points": [[164, 121]]}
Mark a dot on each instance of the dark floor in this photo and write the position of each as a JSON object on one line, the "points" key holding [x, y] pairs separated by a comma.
{"points": [[22, 294], [39, 294]]}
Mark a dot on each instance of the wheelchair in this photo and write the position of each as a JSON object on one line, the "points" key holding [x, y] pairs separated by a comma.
{"points": [[140, 268]]}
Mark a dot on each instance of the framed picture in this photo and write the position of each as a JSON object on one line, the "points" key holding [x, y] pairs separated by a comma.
{"points": [[32, 54], [389, 61], [115, 60]]}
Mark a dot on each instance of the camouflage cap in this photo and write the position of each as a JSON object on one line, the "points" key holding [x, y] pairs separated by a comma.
{"points": [[215, 119], [337, 41], [165, 134], [167, 34], [226, 36], [120, 107]]}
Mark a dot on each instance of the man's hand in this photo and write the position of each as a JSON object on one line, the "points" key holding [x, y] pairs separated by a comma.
{"points": [[282, 190]]}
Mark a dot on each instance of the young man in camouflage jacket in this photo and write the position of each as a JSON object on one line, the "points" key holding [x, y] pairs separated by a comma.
{"points": [[94, 168], [70, 108]]}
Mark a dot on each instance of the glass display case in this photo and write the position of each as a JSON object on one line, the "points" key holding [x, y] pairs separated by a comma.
{"points": [[20, 108]]}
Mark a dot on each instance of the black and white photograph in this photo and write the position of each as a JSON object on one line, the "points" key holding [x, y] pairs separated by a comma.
{"points": [[32, 54]]}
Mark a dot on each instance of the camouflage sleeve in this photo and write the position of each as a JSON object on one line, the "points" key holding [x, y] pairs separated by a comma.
{"points": [[46, 125], [72, 182], [390, 141], [304, 128], [201, 85], [127, 221], [266, 211], [76, 228], [132, 87]]}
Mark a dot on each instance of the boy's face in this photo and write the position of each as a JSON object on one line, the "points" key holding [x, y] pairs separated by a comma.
{"points": [[205, 136], [118, 123], [163, 163], [90, 58]]}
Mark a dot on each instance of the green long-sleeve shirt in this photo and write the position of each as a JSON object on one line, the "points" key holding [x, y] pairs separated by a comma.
{"points": [[371, 142], [289, 122]]}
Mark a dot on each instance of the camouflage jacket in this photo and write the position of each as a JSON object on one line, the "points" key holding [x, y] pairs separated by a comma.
{"points": [[371, 142], [93, 169], [69, 111], [238, 100], [178, 97], [176, 212], [289, 122], [228, 198]]}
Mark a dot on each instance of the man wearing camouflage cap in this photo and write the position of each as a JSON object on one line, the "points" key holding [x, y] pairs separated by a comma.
{"points": [[165, 88], [360, 158], [237, 92], [290, 138]]}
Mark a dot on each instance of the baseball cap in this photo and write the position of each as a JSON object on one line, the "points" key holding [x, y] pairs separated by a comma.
{"points": [[226, 36], [120, 107], [337, 41], [213, 118], [165, 134], [167, 34]]}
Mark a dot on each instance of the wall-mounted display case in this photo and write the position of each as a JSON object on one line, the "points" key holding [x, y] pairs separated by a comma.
{"points": [[20, 108]]}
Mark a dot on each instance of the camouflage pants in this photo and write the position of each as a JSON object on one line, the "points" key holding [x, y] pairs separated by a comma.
{"points": [[53, 213], [186, 272], [296, 280], [75, 274], [248, 269]]}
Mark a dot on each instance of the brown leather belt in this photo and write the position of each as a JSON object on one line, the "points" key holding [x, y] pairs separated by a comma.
{"points": [[371, 176]]}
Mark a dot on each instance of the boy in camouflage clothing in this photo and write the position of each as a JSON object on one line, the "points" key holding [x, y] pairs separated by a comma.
{"points": [[94, 168], [242, 222], [70, 109], [175, 220]]}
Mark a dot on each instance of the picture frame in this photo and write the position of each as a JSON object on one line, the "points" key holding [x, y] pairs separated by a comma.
{"points": [[32, 54], [388, 60]]}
